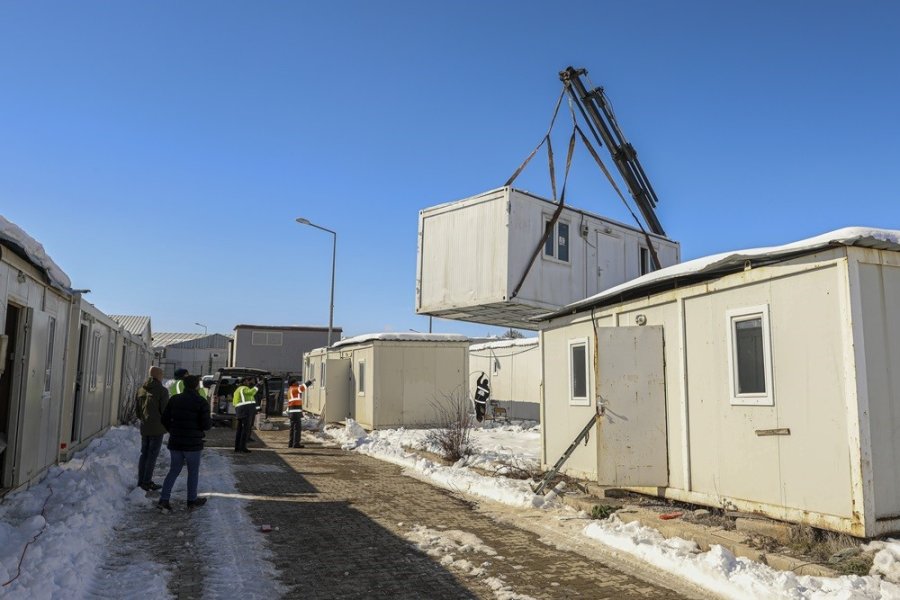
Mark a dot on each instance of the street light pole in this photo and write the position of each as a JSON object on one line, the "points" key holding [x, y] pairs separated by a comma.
{"points": [[205, 330], [303, 221]]}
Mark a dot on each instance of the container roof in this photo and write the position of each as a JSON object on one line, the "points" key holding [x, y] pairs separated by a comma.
{"points": [[505, 343], [31, 250], [133, 323], [169, 339], [401, 337], [288, 327], [718, 265]]}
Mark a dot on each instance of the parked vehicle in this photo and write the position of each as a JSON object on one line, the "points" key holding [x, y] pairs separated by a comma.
{"points": [[226, 381]]}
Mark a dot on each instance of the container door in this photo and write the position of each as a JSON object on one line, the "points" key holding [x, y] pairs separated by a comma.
{"points": [[632, 449], [610, 261], [339, 396]]}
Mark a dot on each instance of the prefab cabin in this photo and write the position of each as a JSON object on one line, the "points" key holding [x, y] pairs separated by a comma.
{"points": [[329, 398], [392, 380], [34, 309], [766, 381], [513, 368], [474, 253]]}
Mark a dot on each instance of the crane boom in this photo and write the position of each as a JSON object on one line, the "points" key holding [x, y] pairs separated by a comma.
{"points": [[598, 114]]}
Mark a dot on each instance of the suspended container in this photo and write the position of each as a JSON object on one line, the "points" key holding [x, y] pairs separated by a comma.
{"points": [[474, 257]]}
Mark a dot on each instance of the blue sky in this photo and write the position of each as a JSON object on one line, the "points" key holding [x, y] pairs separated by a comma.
{"points": [[161, 150]]}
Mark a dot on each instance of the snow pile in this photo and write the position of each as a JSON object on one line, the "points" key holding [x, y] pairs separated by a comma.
{"points": [[89, 495], [887, 559], [401, 337], [731, 577], [388, 445], [448, 545], [12, 233]]}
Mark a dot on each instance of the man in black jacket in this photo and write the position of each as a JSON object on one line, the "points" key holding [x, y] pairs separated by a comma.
{"points": [[186, 418]]}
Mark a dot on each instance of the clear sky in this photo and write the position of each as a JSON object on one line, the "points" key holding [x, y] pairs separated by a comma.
{"points": [[161, 150]]}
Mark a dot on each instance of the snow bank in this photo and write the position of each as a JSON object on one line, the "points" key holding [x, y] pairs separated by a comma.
{"points": [[887, 559], [12, 233], [388, 445], [85, 498], [731, 577]]}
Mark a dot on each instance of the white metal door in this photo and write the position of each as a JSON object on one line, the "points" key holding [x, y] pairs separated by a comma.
{"points": [[631, 443], [610, 260], [339, 396]]}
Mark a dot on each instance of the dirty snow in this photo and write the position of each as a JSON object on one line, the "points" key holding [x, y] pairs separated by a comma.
{"points": [[887, 559], [85, 498], [464, 552], [388, 445], [731, 577], [93, 508]]}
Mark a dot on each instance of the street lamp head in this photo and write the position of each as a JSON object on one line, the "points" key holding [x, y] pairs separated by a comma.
{"points": [[303, 221]]}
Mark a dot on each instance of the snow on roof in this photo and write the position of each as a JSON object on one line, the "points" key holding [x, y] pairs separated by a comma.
{"points": [[505, 343], [34, 253], [401, 337], [716, 265]]}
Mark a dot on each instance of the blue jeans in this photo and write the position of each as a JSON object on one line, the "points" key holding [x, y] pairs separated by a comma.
{"points": [[150, 446], [177, 459]]}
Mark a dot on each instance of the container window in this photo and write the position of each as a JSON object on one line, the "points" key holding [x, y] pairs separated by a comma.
{"points": [[562, 241], [646, 266], [48, 368], [95, 360], [578, 372], [550, 244], [266, 338], [361, 378], [110, 360], [751, 362], [322, 373]]}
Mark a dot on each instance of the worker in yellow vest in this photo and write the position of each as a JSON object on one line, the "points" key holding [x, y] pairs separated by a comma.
{"points": [[296, 395], [244, 401], [177, 386]]}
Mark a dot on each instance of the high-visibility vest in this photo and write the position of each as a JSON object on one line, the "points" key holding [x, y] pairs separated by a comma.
{"points": [[176, 387], [295, 398], [244, 395]]}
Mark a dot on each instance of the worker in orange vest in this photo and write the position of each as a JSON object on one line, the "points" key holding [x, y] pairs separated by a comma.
{"points": [[296, 392]]}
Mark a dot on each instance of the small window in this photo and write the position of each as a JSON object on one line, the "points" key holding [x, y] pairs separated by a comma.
{"points": [[94, 361], [361, 378], [578, 372], [496, 365], [48, 369], [750, 371], [646, 265], [266, 338], [322, 373], [110, 360], [557, 244]]}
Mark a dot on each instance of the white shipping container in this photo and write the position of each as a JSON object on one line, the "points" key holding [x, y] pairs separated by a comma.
{"points": [[474, 252]]}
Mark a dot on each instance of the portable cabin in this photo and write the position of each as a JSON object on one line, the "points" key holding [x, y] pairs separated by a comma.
{"points": [[34, 307], [328, 395], [475, 258], [396, 379], [765, 381], [513, 368]]}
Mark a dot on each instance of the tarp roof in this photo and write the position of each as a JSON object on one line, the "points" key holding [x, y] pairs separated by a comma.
{"points": [[717, 265]]}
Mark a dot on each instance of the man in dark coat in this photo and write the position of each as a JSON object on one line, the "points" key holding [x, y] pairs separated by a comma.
{"points": [[151, 402], [482, 393], [186, 418]]}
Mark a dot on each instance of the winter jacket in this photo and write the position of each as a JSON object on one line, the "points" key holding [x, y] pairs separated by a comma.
{"points": [[244, 395], [482, 390], [151, 402], [186, 418]]}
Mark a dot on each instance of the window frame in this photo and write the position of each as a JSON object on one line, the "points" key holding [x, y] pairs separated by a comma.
{"points": [[554, 238], [110, 360], [645, 265], [361, 378], [51, 344], [573, 399], [738, 315], [96, 336], [267, 338], [322, 372]]}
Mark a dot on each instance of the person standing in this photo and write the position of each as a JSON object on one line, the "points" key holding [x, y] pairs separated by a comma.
{"points": [[151, 402], [296, 394], [244, 402], [177, 386], [186, 418], [482, 393]]}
